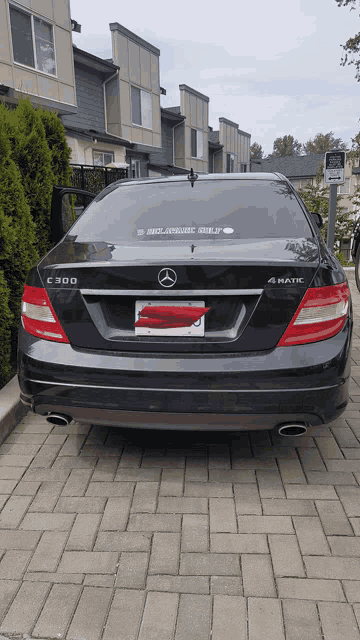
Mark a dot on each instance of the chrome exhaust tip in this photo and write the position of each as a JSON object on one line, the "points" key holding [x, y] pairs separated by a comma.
{"points": [[292, 430], [59, 419]]}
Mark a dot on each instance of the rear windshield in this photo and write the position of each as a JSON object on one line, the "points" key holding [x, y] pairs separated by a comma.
{"points": [[210, 210]]}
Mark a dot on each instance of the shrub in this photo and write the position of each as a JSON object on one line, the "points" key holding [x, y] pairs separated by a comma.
{"points": [[5, 332]]}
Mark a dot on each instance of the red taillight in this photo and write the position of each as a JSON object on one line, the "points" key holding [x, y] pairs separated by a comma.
{"points": [[321, 314], [38, 316]]}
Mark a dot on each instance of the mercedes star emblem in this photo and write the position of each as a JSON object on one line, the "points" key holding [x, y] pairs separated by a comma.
{"points": [[167, 277]]}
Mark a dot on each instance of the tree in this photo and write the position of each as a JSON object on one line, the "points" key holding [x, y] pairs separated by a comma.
{"points": [[316, 198], [6, 319], [286, 146], [256, 151], [32, 155], [324, 142], [352, 45], [60, 150]]}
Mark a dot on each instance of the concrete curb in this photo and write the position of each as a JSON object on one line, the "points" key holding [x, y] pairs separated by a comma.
{"points": [[11, 408]]}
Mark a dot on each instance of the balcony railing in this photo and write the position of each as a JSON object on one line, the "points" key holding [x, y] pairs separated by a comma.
{"points": [[94, 178]]}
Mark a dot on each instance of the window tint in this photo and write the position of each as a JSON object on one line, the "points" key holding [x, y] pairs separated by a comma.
{"points": [[210, 210], [22, 37], [135, 105]]}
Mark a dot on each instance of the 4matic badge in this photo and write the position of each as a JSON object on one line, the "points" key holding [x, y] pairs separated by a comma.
{"points": [[286, 280]]}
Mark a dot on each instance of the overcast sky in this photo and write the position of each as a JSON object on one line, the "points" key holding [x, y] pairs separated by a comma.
{"points": [[272, 67]]}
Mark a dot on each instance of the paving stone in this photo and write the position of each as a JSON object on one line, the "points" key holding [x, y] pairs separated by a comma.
{"points": [[154, 522], [195, 533], [212, 564], [46, 497], [355, 524], [59, 578], [257, 575], [291, 471], [229, 618], [25, 607], [345, 437], [55, 439], [48, 521], [287, 507], [309, 589], [338, 621], [178, 584], [57, 611], [238, 543], [74, 462], [105, 470], [328, 448], [247, 499], [145, 497], [226, 586], [7, 486], [125, 615], [310, 492], [311, 459], [110, 489], [352, 590], [98, 580], [222, 515], [122, 541], [333, 518], [137, 475], [131, 457], [26, 438], [172, 481], [83, 532], [270, 484], [231, 475], [344, 546], [159, 616], [194, 617], [90, 614], [8, 460], [14, 563], [8, 589], [208, 490], [11, 473], [77, 482], [26, 488], [265, 619], [311, 536], [286, 557], [332, 568], [132, 570], [116, 514], [254, 463], [165, 554], [350, 500], [88, 562], [46, 456], [47, 475], [195, 474], [265, 524], [183, 505], [14, 511], [348, 466], [324, 477], [48, 551], [10, 539], [301, 620]]}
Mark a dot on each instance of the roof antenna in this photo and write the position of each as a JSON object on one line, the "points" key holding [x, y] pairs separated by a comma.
{"points": [[192, 176]]}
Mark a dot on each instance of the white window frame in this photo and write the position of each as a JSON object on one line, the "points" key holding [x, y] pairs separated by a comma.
{"points": [[146, 111], [96, 151], [199, 144], [39, 17], [135, 165], [346, 185], [232, 161]]}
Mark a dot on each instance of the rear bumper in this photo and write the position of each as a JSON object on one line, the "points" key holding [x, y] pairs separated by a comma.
{"points": [[307, 383]]}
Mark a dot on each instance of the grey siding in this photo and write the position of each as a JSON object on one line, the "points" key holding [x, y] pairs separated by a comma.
{"points": [[165, 155], [90, 100]]}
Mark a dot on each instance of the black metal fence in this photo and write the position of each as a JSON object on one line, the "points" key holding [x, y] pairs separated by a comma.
{"points": [[95, 179]]}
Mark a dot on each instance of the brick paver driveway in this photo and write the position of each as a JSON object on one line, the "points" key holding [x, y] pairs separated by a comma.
{"points": [[114, 535]]}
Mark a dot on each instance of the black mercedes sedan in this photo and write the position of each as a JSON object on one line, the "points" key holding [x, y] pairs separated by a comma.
{"points": [[204, 302]]}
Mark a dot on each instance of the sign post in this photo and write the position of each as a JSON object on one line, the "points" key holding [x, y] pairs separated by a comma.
{"points": [[334, 174]]}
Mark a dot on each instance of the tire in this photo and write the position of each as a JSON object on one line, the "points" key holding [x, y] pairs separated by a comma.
{"points": [[357, 267]]}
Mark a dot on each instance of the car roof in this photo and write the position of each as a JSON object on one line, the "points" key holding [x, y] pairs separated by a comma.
{"points": [[205, 177]]}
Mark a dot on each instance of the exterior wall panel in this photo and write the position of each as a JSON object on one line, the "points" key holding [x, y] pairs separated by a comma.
{"points": [[145, 69], [90, 99]]}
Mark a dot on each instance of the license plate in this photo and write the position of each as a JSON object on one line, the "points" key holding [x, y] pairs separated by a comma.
{"points": [[156, 312]]}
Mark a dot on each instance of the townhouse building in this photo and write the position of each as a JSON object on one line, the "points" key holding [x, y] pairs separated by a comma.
{"points": [[111, 108]]}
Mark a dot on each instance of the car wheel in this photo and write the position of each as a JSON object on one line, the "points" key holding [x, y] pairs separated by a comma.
{"points": [[357, 267]]}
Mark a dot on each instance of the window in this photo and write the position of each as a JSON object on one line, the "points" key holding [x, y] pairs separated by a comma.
{"points": [[135, 168], [230, 163], [102, 158], [243, 168], [32, 41], [302, 184], [197, 143], [345, 188], [141, 107]]}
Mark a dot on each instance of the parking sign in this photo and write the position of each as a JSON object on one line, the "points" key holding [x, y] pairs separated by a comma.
{"points": [[335, 167]]}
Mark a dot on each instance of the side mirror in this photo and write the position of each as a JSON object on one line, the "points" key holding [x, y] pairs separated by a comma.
{"points": [[318, 219]]}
